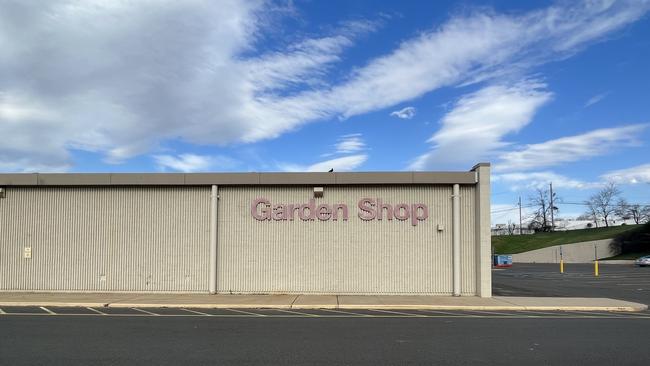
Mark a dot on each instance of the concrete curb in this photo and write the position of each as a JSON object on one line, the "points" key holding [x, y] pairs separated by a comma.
{"points": [[616, 261], [632, 308]]}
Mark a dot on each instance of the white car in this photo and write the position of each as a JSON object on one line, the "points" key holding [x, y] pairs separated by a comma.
{"points": [[643, 261]]}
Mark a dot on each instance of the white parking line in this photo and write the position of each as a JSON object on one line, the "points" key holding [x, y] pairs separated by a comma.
{"points": [[246, 312], [397, 312], [505, 313], [539, 312], [197, 312], [48, 310], [298, 313], [448, 313], [146, 312], [346, 312], [603, 314], [95, 310]]}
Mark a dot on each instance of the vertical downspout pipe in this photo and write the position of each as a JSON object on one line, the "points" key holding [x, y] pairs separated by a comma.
{"points": [[456, 238], [214, 202]]}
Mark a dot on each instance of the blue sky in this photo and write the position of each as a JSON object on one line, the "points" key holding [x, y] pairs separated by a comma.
{"points": [[545, 91]]}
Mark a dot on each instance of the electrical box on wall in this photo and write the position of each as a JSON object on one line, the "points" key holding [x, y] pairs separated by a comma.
{"points": [[2, 192], [318, 192], [27, 253]]}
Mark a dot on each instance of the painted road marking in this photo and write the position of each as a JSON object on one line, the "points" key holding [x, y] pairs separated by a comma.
{"points": [[220, 312], [246, 312], [197, 312], [575, 315], [396, 312], [447, 313], [347, 313], [297, 313], [146, 312], [504, 313], [602, 314], [95, 310], [120, 311], [365, 313], [48, 310], [538, 312]]}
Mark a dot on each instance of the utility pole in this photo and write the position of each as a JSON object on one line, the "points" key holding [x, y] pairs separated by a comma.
{"points": [[552, 209], [519, 215]]}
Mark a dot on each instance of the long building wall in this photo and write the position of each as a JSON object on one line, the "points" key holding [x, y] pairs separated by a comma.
{"points": [[105, 239], [157, 233], [343, 257]]}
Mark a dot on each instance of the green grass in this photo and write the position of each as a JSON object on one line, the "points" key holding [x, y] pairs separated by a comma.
{"points": [[512, 244]]}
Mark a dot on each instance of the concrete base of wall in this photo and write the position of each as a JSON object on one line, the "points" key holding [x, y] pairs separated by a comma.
{"points": [[584, 252]]}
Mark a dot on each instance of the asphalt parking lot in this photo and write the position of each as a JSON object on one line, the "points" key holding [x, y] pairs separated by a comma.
{"points": [[358, 339], [624, 282], [37, 335], [617, 281], [18, 311]]}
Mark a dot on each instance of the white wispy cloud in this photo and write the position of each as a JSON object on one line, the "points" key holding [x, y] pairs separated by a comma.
{"points": [[479, 121], [111, 88], [595, 99], [404, 113], [188, 163], [350, 144], [569, 149], [531, 180], [342, 164], [346, 145], [634, 175]]}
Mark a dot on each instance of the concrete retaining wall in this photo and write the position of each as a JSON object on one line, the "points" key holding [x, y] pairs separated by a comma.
{"points": [[572, 253]]}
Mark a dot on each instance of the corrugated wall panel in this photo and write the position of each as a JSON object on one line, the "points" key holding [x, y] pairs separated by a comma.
{"points": [[105, 239], [353, 257], [467, 241]]}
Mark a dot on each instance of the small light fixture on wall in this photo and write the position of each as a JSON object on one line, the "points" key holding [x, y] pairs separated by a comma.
{"points": [[318, 192], [2, 192]]}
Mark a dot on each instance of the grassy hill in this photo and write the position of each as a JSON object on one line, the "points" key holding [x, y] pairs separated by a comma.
{"points": [[511, 244]]}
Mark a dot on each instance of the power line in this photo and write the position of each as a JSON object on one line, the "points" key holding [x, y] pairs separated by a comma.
{"points": [[511, 209], [613, 204], [517, 206]]}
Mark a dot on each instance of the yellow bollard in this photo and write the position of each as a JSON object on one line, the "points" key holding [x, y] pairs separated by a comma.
{"points": [[561, 265], [596, 268]]}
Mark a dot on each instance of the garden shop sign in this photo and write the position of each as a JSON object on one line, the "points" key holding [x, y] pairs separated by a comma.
{"points": [[369, 209]]}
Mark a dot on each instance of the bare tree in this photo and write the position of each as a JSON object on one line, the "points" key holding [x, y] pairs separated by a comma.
{"points": [[511, 227], [634, 211], [603, 203], [541, 201], [591, 213], [644, 214], [623, 209]]}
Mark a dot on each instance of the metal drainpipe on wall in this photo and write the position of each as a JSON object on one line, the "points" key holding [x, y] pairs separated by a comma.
{"points": [[214, 206], [456, 239]]}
